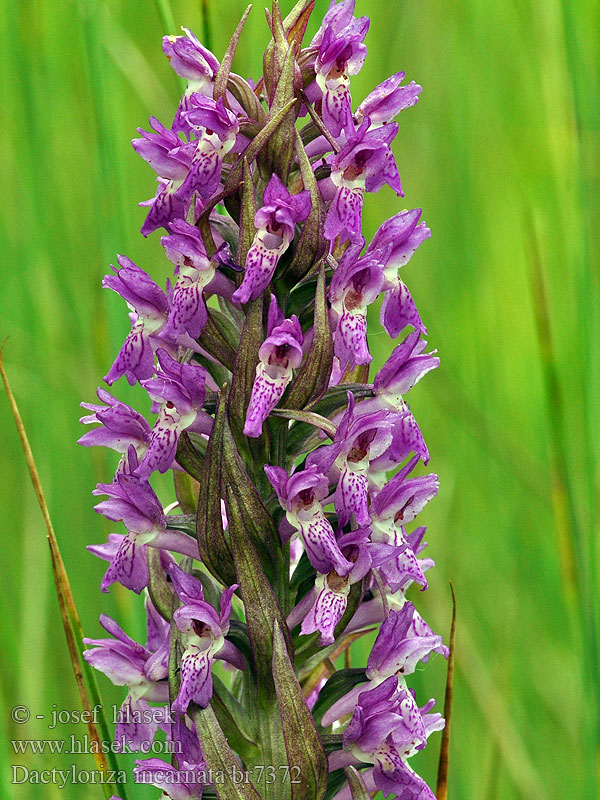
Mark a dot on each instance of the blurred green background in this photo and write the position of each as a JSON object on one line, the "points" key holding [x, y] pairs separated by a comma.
{"points": [[501, 152]]}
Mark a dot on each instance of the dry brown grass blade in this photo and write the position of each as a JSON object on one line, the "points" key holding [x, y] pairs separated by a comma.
{"points": [[63, 590], [442, 776]]}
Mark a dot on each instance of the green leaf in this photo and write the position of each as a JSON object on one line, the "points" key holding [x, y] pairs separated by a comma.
{"points": [[244, 94], [247, 214], [308, 417], [222, 78], [336, 687], [301, 298], [175, 653], [228, 229], [238, 635], [304, 571], [181, 522], [244, 373], [255, 146], [296, 21], [260, 604], [336, 398], [358, 788], [336, 780], [158, 588], [311, 244], [228, 329], [275, 52], [232, 718], [312, 380], [186, 491], [332, 741], [278, 155], [219, 757], [214, 340], [244, 369], [212, 542], [189, 458], [302, 743], [302, 438], [258, 523], [220, 374]]}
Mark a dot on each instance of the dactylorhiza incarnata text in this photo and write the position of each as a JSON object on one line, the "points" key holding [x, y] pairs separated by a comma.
{"points": [[288, 539]]}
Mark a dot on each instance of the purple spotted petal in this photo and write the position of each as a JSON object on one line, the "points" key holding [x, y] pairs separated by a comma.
{"points": [[165, 207], [121, 669], [321, 546], [351, 497], [403, 782], [135, 726], [328, 609], [188, 311], [397, 650], [399, 310], [405, 367], [196, 679], [135, 359], [129, 566], [177, 784], [120, 425], [388, 99], [190, 59], [344, 217]]}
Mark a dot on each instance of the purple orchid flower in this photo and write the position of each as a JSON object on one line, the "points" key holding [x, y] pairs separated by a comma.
{"points": [[178, 784], [402, 782], [204, 632], [403, 369], [300, 494], [275, 223], [121, 426], [356, 284], [406, 439], [184, 740], [192, 61], [408, 569], [180, 390], [185, 248], [397, 651], [387, 100], [171, 159], [385, 730], [142, 669], [401, 643], [394, 506], [357, 442], [324, 606], [328, 603], [402, 498], [365, 163], [396, 241], [279, 355], [341, 54], [343, 524], [149, 302], [216, 129], [133, 502]]}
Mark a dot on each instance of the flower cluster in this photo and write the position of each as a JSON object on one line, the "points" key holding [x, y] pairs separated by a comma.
{"points": [[297, 479]]}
